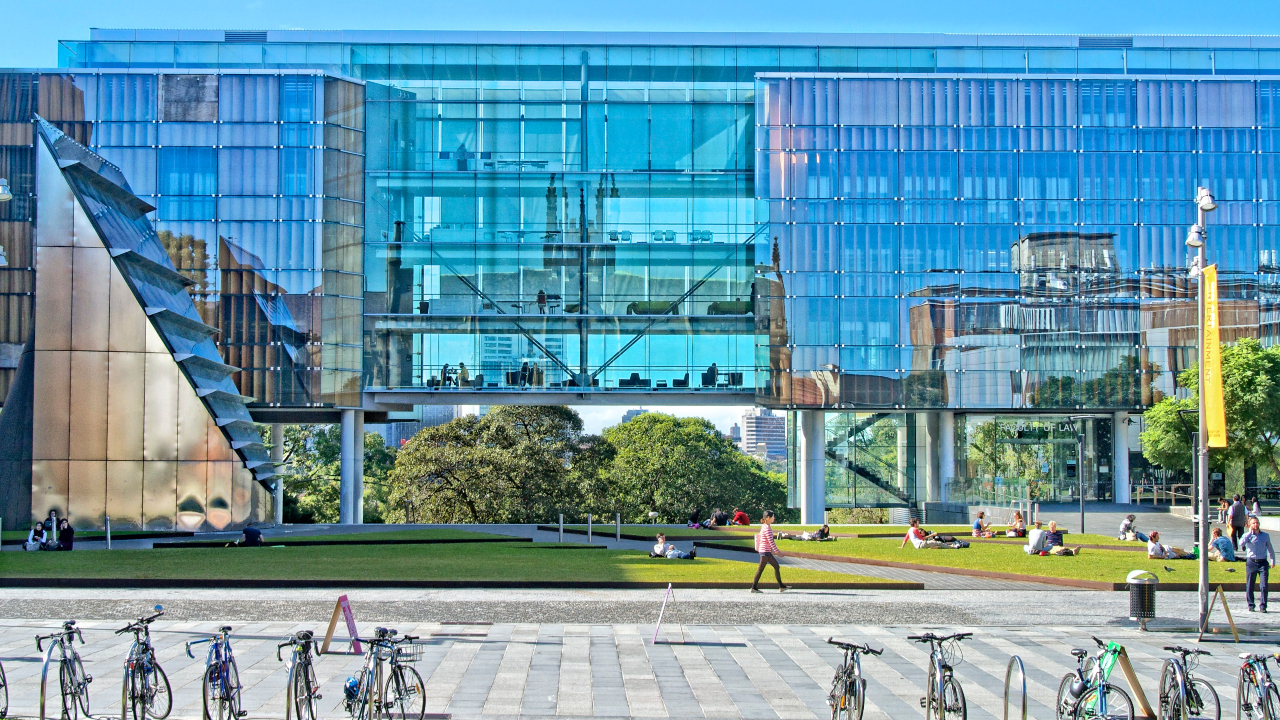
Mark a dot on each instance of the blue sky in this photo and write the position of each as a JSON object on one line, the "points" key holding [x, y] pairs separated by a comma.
{"points": [[30, 30]]}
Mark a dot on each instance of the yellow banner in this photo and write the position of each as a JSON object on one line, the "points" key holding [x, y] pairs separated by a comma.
{"points": [[1214, 408]]}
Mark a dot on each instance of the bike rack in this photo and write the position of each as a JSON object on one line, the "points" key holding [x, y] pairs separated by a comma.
{"points": [[44, 676], [1008, 675]]}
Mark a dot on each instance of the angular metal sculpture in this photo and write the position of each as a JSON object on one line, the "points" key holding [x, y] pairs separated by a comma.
{"points": [[133, 413]]}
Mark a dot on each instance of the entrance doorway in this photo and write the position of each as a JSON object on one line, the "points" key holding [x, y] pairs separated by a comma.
{"points": [[1002, 458]]}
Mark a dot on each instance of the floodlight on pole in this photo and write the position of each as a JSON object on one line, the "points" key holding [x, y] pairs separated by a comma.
{"points": [[1205, 201], [1196, 237], [5, 193]]}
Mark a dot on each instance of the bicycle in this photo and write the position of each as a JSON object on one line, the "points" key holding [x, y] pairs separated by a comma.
{"points": [[386, 682], [302, 685], [849, 689], [1086, 694], [1183, 696], [221, 687], [145, 692], [1256, 695], [945, 698], [4, 693], [73, 681]]}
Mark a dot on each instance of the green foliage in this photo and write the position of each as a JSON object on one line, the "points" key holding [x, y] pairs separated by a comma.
{"points": [[312, 474], [521, 464], [671, 465], [1251, 394], [1128, 384]]}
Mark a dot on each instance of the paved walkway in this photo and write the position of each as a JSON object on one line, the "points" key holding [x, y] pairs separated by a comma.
{"points": [[573, 670]]}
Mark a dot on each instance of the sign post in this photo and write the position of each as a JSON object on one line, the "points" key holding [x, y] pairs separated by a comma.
{"points": [[343, 607]]}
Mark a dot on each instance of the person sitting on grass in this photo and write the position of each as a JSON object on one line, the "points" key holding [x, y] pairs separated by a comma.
{"points": [[982, 529], [1017, 526], [1220, 548], [1156, 551], [719, 518], [1053, 539], [35, 538], [922, 540], [1037, 542], [252, 536], [819, 535], [662, 549], [1127, 531], [740, 518]]}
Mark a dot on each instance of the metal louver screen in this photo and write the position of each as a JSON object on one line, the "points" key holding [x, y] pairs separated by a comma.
{"points": [[1109, 41], [245, 36]]}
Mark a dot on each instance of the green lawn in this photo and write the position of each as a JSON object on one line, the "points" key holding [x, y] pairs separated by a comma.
{"points": [[1099, 565], [516, 562]]}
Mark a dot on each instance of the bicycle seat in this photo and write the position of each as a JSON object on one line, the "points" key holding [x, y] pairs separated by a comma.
{"points": [[225, 629], [304, 635], [1079, 652], [68, 624]]}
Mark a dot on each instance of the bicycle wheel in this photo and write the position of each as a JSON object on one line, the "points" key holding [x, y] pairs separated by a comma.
{"points": [[952, 706], [82, 684], [1272, 705], [403, 697], [67, 684], [1063, 707], [304, 687], [4, 694], [136, 692], [159, 698], [216, 706], [233, 688], [846, 698], [1202, 701], [1109, 703], [1248, 697]]}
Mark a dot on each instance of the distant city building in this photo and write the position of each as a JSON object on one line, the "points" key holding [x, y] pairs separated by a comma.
{"points": [[398, 433], [735, 434], [630, 415], [760, 427]]}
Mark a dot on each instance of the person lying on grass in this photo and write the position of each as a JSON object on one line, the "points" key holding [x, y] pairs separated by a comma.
{"points": [[819, 535], [1053, 541], [662, 549], [927, 541], [1156, 551], [981, 528]]}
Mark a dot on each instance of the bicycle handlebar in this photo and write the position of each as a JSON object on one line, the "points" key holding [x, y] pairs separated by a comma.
{"points": [[930, 637], [195, 642], [1100, 643], [864, 648], [74, 632], [1186, 651]]}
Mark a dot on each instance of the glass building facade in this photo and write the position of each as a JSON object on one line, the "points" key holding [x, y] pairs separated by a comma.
{"points": [[939, 241]]}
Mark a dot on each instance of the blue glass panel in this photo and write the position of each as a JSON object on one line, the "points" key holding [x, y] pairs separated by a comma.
{"points": [[1108, 103], [296, 171], [929, 248], [1166, 176], [989, 175], [928, 174], [868, 174], [869, 248], [188, 171], [127, 97], [1108, 175], [1048, 175], [297, 98], [1052, 60], [1228, 175]]}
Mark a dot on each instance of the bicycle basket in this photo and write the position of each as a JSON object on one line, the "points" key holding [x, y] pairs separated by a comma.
{"points": [[952, 653], [409, 652]]}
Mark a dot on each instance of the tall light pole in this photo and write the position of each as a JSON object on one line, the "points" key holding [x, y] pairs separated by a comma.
{"points": [[1195, 240], [1079, 430]]}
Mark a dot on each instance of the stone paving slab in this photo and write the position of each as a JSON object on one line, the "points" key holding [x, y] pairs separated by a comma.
{"points": [[508, 670]]}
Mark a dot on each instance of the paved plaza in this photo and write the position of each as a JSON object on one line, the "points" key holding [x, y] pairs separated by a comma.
{"points": [[506, 654]]}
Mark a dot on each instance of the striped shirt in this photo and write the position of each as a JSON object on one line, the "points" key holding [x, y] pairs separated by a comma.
{"points": [[764, 540]]}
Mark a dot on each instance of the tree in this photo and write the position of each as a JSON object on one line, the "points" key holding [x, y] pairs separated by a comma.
{"points": [[671, 465], [313, 474], [1128, 384], [1251, 395], [511, 466]]}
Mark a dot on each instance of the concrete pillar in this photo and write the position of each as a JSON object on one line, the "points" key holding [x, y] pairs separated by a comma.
{"points": [[347, 465], [277, 460], [1120, 459], [927, 456], [358, 489], [812, 465], [946, 451]]}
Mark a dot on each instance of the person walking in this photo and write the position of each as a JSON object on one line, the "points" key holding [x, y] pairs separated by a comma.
{"points": [[1259, 558], [1236, 516], [768, 549]]}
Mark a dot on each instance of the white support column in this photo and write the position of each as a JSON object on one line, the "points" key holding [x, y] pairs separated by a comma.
{"points": [[927, 457], [946, 451], [347, 471], [1120, 459], [812, 465], [358, 487], [277, 460], [902, 454]]}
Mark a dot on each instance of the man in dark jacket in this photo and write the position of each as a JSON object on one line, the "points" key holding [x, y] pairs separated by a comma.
{"points": [[1237, 515]]}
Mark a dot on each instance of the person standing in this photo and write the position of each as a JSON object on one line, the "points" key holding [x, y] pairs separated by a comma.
{"points": [[1236, 516], [768, 549], [1259, 558]]}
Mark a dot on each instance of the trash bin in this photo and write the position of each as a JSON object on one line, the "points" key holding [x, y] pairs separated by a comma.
{"points": [[1142, 596]]}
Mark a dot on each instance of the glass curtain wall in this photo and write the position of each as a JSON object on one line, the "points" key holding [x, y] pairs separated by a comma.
{"points": [[546, 217], [258, 186], [1009, 244]]}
